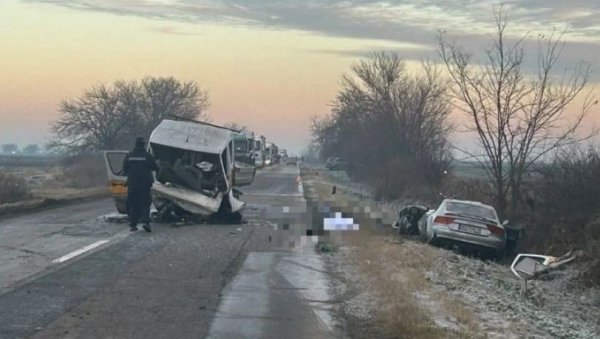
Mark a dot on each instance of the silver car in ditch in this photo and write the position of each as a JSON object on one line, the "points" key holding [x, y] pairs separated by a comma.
{"points": [[464, 223]]}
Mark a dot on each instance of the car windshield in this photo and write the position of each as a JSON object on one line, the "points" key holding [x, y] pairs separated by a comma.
{"points": [[471, 210]]}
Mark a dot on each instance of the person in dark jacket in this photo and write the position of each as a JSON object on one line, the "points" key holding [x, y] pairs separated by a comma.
{"points": [[138, 166]]}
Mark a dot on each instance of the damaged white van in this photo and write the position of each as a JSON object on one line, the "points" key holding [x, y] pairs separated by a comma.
{"points": [[196, 171]]}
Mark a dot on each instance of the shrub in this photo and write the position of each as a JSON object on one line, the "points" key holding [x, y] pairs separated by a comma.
{"points": [[12, 188], [565, 207], [474, 189], [402, 177], [83, 171]]}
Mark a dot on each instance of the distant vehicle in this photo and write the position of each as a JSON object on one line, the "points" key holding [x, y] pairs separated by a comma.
{"points": [[468, 224], [196, 171], [259, 151], [242, 151], [271, 154], [335, 164], [259, 160], [244, 166], [291, 161]]}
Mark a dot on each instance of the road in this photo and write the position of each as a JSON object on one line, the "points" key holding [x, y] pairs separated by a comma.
{"points": [[71, 273]]}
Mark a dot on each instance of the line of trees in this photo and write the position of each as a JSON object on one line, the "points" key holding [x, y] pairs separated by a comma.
{"points": [[10, 148], [112, 116], [14, 148], [388, 124], [391, 126]]}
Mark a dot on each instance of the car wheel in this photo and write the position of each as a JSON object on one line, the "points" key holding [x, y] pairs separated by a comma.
{"points": [[433, 240]]}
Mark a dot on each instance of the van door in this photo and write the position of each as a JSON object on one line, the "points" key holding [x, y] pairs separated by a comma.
{"points": [[243, 174], [113, 161]]}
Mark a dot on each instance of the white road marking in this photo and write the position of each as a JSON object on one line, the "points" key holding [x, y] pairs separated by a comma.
{"points": [[79, 251]]}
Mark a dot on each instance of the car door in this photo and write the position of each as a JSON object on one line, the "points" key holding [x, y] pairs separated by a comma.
{"points": [[402, 221], [113, 160], [244, 174], [423, 225]]}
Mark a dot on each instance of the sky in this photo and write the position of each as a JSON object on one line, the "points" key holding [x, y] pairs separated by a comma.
{"points": [[268, 65]]}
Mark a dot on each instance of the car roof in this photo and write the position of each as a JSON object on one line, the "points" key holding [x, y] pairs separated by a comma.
{"points": [[468, 202]]}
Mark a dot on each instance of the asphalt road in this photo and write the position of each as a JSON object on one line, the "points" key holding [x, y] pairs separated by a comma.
{"points": [[261, 279]]}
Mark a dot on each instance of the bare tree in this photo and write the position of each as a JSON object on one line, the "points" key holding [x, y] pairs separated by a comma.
{"points": [[384, 118], [109, 117], [100, 119], [164, 96], [518, 118]]}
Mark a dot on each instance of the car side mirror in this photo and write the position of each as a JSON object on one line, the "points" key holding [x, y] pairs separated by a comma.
{"points": [[505, 222]]}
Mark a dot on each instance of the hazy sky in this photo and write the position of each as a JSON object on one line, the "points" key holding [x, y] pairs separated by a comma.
{"points": [[269, 65]]}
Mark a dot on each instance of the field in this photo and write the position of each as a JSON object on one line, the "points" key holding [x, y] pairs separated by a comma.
{"points": [[468, 170], [31, 182]]}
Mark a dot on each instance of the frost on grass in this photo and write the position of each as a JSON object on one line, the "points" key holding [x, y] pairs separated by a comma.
{"points": [[462, 296], [552, 307]]}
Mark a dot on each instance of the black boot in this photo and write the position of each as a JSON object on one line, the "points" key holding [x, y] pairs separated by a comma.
{"points": [[132, 228], [147, 228]]}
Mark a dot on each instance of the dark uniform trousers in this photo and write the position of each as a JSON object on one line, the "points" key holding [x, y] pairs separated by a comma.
{"points": [[138, 165], [138, 205]]}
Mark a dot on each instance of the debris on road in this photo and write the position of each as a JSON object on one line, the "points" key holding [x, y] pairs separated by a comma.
{"points": [[116, 218]]}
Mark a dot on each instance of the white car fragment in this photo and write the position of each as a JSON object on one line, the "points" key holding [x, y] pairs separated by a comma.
{"points": [[528, 266]]}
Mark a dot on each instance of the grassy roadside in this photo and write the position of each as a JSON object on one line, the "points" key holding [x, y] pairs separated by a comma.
{"points": [[52, 199], [25, 189], [407, 289], [389, 277]]}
